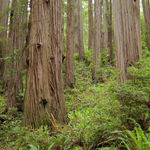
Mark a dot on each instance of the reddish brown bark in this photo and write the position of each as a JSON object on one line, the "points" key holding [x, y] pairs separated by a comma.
{"points": [[90, 25], [146, 10], [44, 100], [4, 6], [110, 33], [105, 3], [70, 79], [17, 38], [81, 44], [127, 34], [97, 39]]}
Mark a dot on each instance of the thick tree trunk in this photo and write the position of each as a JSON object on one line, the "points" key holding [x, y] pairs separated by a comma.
{"points": [[44, 100], [70, 79], [17, 35], [97, 39], [81, 44], [146, 10], [132, 31], [90, 26], [127, 34], [4, 5]]}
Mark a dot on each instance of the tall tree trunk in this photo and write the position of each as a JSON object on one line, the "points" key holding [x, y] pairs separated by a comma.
{"points": [[63, 30], [110, 34], [81, 44], [146, 10], [4, 5], [101, 20], [44, 100], [75, 19], [127, 34], [17, 35], [118, 35], [70, 79], [97, 38], [132, 31], [90, 26], [105, 3]]}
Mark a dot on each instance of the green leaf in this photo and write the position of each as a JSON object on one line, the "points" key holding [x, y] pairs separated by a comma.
{"points": [[32, 147], [51, 146]]}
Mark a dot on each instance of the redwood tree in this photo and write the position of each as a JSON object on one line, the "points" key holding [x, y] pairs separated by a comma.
{"points": [[75, 22], [90, 25], [81, 44], [146, 10], [105, 3], [4, 5], [70, 79], [97, 38], [110, 32], [127, 34], [44, 100], [16, 44], [118, 35]]}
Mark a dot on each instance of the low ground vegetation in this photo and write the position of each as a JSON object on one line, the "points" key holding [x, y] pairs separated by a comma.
{"points": [[101, 115]]}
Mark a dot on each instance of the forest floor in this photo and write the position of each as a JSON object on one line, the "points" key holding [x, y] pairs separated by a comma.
{"points": [[94, 112], [89, 109]]}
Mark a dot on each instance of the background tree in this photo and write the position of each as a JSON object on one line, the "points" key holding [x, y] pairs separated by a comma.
{"points": [[110, 32], [101, 25], [90, 25], [64, 26], [146, 11], [4, 9], [70, 79], [127, 34], [118, 32], [105, 3], [75, 28], [97, 38], [80, 26], [17, 39], [44, 98]]}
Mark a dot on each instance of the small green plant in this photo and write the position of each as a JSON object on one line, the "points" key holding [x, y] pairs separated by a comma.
{"points": [[88, 56], [134, 140], [33, 147]]}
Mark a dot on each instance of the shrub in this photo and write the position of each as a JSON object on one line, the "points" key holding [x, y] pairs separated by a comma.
{"points": [[134, 94]]}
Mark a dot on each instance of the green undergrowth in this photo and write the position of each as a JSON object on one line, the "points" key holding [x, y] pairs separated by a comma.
{"points": [[92, 115], [95, 111], [136, 139], [2, 103], [134, 94]]}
